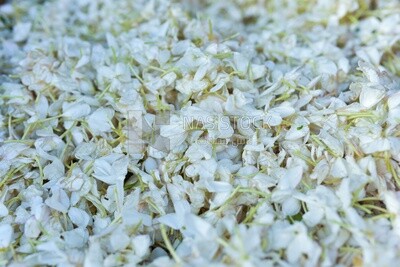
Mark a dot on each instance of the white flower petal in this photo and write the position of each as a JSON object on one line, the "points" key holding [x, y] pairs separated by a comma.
{"points": [[290, 207], [79, 217], [6, 234], [369, 96]]}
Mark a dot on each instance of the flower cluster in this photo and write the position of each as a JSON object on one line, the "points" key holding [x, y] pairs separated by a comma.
{"points": [[200, 133]]}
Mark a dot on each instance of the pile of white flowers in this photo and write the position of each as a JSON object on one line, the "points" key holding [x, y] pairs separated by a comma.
{"points": [[200, 133]]}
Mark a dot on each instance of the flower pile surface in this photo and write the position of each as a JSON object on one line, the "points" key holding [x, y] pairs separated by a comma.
{"points": [[200, 133]]}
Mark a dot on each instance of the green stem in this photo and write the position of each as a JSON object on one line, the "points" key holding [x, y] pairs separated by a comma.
{"points": [[170, 248]]}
